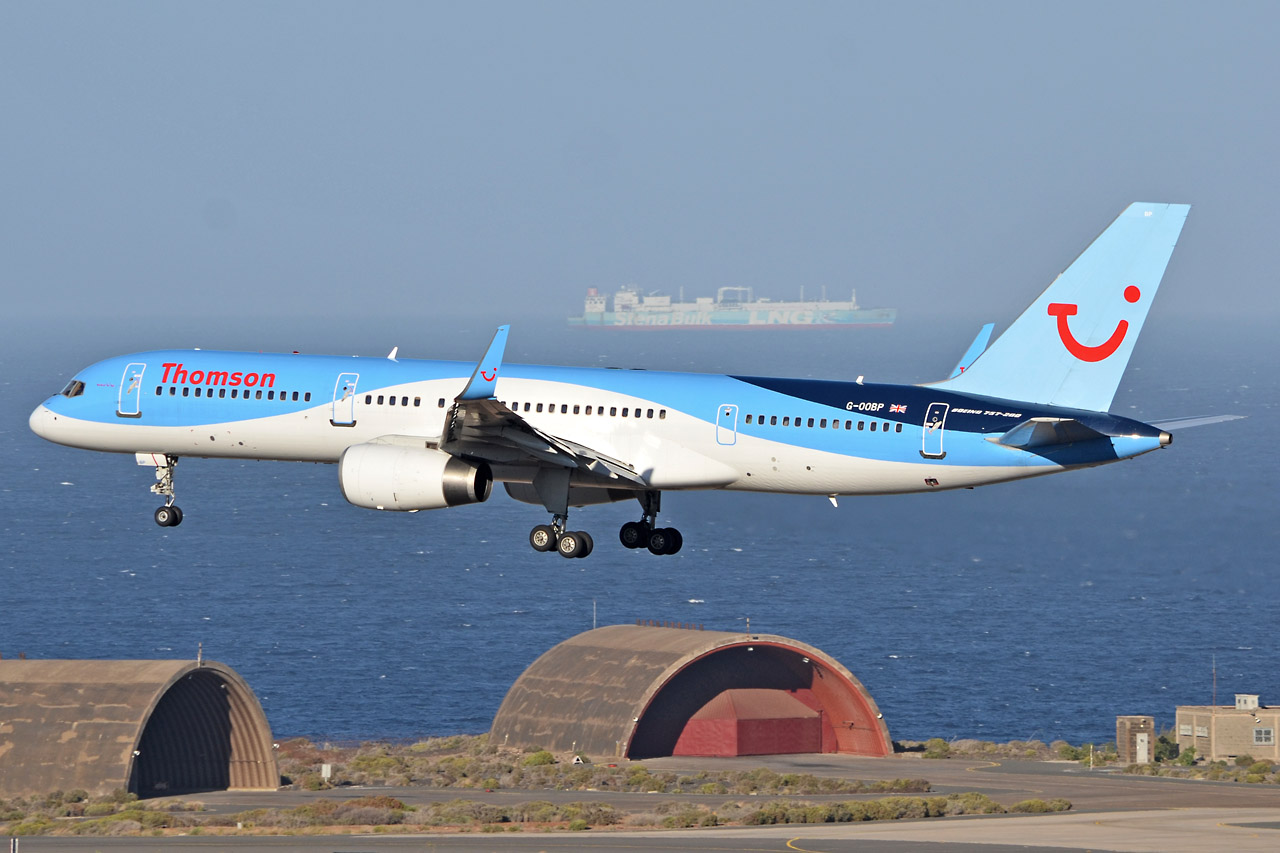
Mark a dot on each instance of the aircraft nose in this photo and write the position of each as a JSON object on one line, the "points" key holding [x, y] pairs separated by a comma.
{"points": [[42, 421]]}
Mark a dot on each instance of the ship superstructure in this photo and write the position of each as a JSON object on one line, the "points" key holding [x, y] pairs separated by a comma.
{"points": [[731, 308]]}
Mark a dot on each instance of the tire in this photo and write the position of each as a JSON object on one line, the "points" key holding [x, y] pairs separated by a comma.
{"points": [[571, 545], [659, 541], [634, 534], [542, 538], [166, 517], [676, 541], [177, 516], [588, 544]]}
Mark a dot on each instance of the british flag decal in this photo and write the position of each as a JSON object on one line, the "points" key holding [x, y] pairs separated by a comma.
{"points": [[894, 407]]}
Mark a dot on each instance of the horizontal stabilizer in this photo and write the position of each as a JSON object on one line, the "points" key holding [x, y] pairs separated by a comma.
{"points": [[1187, 423], [975, 349], [1043, 432]]}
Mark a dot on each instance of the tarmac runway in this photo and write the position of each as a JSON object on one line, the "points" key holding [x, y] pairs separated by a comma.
{"points": [[1112, 812]]}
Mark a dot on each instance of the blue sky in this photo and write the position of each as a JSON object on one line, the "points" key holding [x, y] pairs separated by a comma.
{"points": [[329, 163]]}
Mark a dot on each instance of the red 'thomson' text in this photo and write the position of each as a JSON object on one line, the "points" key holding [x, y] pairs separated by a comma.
{"points": [[176, 373]]}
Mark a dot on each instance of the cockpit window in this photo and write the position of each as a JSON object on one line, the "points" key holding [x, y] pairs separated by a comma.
{"points": [[74, 388]]}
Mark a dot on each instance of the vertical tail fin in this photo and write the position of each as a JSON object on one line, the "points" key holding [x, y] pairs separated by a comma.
{"points": [[1070, 348]]}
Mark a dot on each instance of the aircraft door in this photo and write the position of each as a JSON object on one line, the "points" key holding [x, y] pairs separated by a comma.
{"points": [[934, 420], [128, 404], [344, 400], [727, 424]]}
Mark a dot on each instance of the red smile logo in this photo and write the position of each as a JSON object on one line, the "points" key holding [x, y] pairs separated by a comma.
{"points": [[1063, 310], [488, 375]]}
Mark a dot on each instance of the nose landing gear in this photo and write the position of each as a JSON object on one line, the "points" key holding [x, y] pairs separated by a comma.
{"points": [[168, 515]]}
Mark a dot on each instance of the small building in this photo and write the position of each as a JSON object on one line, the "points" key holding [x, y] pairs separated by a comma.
{"points": [[1225, 731], [150, 727], [1135, 739], [640, 691]]}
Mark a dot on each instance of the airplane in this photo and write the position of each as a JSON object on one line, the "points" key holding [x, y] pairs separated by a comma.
{"points": [[410, 435]]}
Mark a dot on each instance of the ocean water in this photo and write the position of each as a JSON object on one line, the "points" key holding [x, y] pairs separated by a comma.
{"points": [[1039, 609]]}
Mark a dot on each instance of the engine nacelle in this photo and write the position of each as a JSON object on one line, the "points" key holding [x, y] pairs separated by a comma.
{"points": [[391, 477]]}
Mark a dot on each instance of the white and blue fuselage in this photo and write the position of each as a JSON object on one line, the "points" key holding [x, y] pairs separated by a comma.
{"points": [[411, 434]]}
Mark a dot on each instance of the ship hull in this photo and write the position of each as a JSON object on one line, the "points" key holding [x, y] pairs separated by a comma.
{"points": [[744, 318]]}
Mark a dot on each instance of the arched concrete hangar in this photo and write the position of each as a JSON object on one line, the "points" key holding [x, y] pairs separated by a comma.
{"points": [[148, 726], [631, 691]]}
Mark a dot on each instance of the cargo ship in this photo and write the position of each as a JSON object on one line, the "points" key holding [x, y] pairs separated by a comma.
{"points": [[732, 308]]}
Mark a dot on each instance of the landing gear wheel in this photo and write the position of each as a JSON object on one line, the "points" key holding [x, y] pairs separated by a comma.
{"points": [[665, 540], [588, 544], [542, 537], [634, 534], [168, 516], [572, 544], [674, 541]]}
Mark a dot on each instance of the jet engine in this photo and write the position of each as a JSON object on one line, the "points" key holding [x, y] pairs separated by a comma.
{"points": [[391, 477]]}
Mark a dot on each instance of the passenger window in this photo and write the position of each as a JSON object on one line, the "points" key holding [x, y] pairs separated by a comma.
{"points": [[295, 396], [613, 411], [391, 401], [748, 418], [368, 399], [884, 427], [172, 390], [898, 428], [539, 407], [526, 407], [307, 397], [873, 426], [786, 421], [810, 423], [564, 408], [624, 411], [848, 424], [662, 414], [577, 410], [773, 421], [186, 390], [649, 413], [417, 402], [381, 398], [197, 390], [822, 424], [257, 395], [157, 390], [271, 395], [588, 410], [440, 404], [222, 393], [861, 424], [798, 422], [404, 401]]}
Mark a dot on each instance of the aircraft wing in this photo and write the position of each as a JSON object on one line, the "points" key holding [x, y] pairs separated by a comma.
{"points": [[488, 430], [480, 427]]}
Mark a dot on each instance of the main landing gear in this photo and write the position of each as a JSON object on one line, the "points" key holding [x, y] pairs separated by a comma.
{"points": [[634, 534], [554, 537], [645, 534], [168, 515]]}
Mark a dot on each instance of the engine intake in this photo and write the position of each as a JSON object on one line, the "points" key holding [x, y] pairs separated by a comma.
{"points": [[385, 476]]}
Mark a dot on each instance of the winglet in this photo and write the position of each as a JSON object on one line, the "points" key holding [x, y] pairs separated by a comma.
{"points": [[485, 378], [975, 349]]}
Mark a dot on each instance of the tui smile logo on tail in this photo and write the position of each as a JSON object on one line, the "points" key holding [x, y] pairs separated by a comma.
{"points": [[1063, 310]]}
